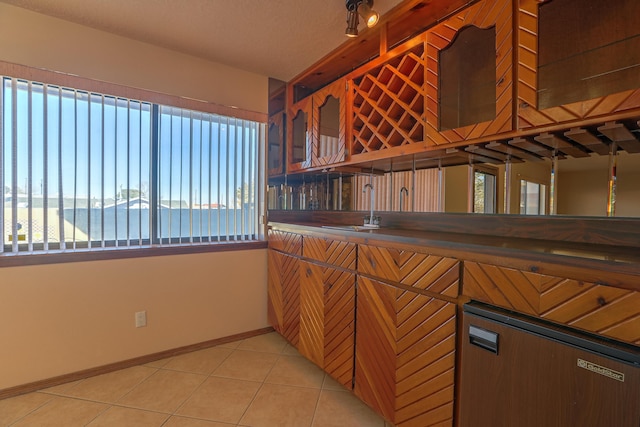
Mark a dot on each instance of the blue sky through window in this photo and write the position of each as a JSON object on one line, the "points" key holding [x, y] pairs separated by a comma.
{"points": [[90, 151]]}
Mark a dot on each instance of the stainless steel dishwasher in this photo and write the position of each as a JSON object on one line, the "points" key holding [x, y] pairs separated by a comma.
{"points": [[518, 371]]}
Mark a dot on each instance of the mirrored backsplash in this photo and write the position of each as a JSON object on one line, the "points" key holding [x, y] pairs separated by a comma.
{"points": [[596, 186]]}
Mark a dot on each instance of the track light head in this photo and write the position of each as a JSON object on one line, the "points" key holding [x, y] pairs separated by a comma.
{"points": [[370, 16], [364, 9]]}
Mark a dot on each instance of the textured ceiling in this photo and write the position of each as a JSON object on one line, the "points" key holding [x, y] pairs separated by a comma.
{"points": [[276, 38]]}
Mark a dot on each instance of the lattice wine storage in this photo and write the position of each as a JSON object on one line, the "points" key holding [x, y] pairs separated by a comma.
{"points": [[388, 104]]}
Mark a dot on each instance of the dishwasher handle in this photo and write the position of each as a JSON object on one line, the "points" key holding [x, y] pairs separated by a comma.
{"points": [[483, 338]]}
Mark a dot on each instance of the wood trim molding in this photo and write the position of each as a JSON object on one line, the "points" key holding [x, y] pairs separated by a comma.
{"points": [[105, 369], [68, 80], [60, 257]]}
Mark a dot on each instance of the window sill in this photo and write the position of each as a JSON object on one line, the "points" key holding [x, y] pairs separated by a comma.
{"points": [[99, 254]]}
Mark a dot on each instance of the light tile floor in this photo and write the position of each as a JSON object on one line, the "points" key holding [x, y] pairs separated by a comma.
{"points": [[256, 382]]}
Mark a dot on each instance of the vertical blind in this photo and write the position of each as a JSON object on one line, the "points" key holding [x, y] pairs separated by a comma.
{"points": [[87, 170]]}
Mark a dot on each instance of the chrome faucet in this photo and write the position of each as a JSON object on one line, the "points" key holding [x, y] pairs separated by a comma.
{"points": [[404, 191], [372, 222]]}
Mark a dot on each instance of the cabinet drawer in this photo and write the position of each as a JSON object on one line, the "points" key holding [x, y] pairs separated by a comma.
{"points": [[420, 270], [604, 310], [284, 241], [330, 251]]}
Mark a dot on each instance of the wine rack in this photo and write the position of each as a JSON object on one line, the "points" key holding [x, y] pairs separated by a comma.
{"points": [[388, 104]]}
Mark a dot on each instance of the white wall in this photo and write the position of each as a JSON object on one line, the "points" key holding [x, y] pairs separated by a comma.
{"points": [[584, 190], [62, 318], [58, 319], [29, 38], [456, 189]]}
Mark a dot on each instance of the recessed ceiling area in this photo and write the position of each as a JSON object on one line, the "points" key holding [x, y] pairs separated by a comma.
{"points": [[278, 39]]}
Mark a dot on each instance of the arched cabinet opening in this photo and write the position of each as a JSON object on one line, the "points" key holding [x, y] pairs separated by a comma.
{"points": [[468, 79], [275, 144], [300, 137], [329, 127]]}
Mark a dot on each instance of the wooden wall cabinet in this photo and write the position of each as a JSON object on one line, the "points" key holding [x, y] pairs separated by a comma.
{"points": [[577, 60], [316, 129], [275, 144], [329, 124], [604, 310], [469, 75], [496, 71], [299, 135], [439, 88]]}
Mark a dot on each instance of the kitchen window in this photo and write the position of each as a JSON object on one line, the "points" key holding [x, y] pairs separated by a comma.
{"points": [[84, 170], [533, 198], [484, 190]]}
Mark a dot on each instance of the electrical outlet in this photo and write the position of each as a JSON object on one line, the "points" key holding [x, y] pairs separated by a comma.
{"points": [[141, 319]]}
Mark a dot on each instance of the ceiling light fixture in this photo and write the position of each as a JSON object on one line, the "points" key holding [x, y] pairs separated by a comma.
{"points": [[364, 9]]}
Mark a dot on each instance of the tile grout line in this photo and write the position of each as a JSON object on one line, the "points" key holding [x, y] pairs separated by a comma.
{"points": [[280, 354], [117, 402], [206, 377], [32, 411], [99, 414], [315, 409], [285, 352]]}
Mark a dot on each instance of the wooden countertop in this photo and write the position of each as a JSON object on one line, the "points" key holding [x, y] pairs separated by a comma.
{"points": [[607, 265]]}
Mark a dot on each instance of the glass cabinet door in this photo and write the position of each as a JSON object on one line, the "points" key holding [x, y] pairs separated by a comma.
{"points": [[299, 135], [329, 124], [577, 59], [275, 144], [469, 77]]}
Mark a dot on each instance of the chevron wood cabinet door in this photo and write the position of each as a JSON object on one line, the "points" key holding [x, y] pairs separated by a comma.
{"points": [[283, 295], [327, 305], [604, 310], [339, 324], [405, 354], [327, 319], [311, 344], [410, 267], [274, 291]]}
